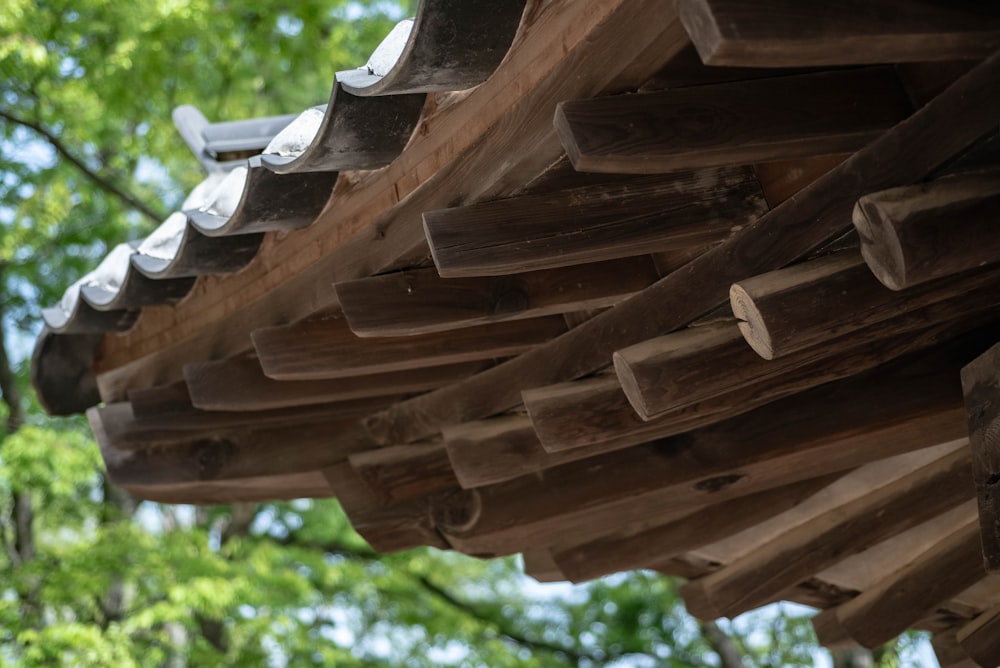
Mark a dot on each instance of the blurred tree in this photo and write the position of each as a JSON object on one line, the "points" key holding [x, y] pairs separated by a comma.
{"points": [[91, 577]]}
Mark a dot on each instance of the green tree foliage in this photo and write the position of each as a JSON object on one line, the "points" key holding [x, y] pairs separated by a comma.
{"points": [[90, 576]]}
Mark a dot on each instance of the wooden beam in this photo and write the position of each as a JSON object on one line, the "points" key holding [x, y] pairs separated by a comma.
{"points": [[941, 129], [980, 638], [593, 223], [421, 302], [735, 123], [882, 612], [808, 304], [160, 400], [629, 548], [949, 653], [914, 234], [982, 402], [324, 349], [844, 529], [595, 411], [832, 428], [781, 179], [239, 384], [786, 33], [405, 472], [308, 484]]}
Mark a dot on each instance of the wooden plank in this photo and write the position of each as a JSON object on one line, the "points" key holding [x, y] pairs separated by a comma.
{"points": [[239, 384], [405, 472], [421, 302], [698, 363], [942, 128], [808, 304], [735, 123], [160, 400], [761, 576], [832, 428], [234, 454], [786, 33], [914, 234], [781, 179], [595, 411], [308, 484], [593, 223], [949, 653], [453, 162], [386, 526], [629, 548], [980, 385], [325, 349], [980, 638], [882, 612]]}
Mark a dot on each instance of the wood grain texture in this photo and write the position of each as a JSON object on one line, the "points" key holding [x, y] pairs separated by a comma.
{"points": [[735, 123], [845, 529], [980, 638], [405, 472], [419, 301], [239, 384], [981, 386], [593, 223], [260, 489], [914, 234], [786, 33], [833, 428], [629, 548], [882, 612], [324, 349], [781, 179], [808, 304], [912, 149]]}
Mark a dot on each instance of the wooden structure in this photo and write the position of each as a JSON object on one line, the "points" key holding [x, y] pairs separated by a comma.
{"points": [[672, 288]]}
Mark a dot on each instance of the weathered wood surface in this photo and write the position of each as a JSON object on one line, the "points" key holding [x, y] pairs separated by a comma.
{"points": [[736, 123], [375, 224], [161, 400], [420, 301], [914, 234], [833, 428], [324, 349], [880, 613], [593, 223], [902, 155], [808, 304], [980, 638], [648, 547], [259, 489], [239, 384], [761, 576], [595, 411], [981, 385], [781, 179], [787, 33], [949, 653], [405, 472]]}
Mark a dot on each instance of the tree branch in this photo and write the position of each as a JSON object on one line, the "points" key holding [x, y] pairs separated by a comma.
{"points": [[101, 181], [722, 644]]}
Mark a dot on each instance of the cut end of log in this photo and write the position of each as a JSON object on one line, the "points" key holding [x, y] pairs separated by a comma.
{"points": [[750, 322], [630, 385], [456, 512], [880, 245]]}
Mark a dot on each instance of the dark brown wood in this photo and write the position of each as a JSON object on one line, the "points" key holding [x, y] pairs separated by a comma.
{"points": [[949, 653], [309, 484], [882, 612], [387, 526], [832, 428], [594, 412], [781, 179], [161, 400], [538, 564], [982, 402], [324, 349], [914, 234], [808, 304], [405, 472], [593, 223], [786, 33], [736, 123], [420, 301], [941, 129], [980, 638], [239, 384], [845, 529], [629, 548]]}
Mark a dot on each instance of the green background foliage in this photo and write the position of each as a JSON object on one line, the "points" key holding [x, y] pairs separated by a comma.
{"points": [[91, 577]]}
